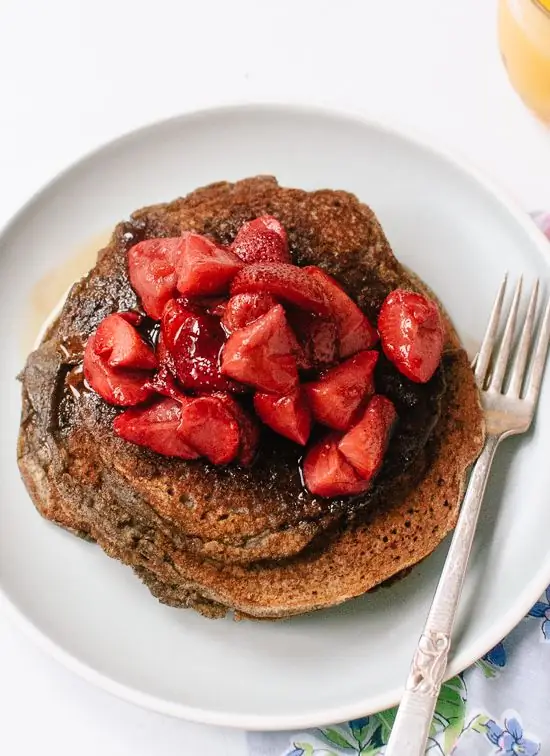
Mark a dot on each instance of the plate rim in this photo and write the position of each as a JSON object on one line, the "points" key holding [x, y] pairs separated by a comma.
{"points": [[531, 592]]}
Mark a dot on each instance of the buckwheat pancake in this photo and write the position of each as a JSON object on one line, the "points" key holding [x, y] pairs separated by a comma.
{"points": [[250, 540]]}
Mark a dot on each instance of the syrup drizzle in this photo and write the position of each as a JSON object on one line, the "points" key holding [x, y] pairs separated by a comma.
{"points": [[46, 293]]}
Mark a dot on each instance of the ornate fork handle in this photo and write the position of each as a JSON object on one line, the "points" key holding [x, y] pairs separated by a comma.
{"points": [[414, 717]]}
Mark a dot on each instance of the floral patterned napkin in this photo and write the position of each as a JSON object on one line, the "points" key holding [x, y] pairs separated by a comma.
{"points": [[501, 705]]}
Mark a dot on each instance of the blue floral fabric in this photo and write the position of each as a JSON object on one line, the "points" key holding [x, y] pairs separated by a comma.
{"points": [[500, 706]]}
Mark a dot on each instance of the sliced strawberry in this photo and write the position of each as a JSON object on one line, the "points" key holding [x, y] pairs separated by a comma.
{"points": [[212, 305], [284, 281], [204, 268], [262, 240], [248, 428], [355, 331], [288, 415], [328, 473], [120, 345], [242, 309], [164, 383], [366, 443], [193, 340], [152, 271], [262, 354], [124, 387], [318, 338], [338, 396], [156, 427], [211, 428], [412, 334]]}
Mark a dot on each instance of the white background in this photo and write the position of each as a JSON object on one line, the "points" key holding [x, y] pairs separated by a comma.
{"points": [[76, 73]]}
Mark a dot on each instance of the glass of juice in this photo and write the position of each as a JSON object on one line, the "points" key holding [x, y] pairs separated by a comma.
{"points": [[524, 37]]}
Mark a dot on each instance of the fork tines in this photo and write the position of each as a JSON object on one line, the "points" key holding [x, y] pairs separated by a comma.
{"points": [[499, 360]]}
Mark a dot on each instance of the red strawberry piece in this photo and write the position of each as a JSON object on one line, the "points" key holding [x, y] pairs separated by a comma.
{"points": [[164, 383], [288, 415], [355, 331], [120, 345], [328, 473], [262, 354], [338, 396], [318, 338], [412, 334], [212, 305], [366, 443], [193, 340], [248, 428], [156, 427], [152, 271], [242, 309], [204, 268], [124, 387], [284, 281], [208, 425], [262, 240]]}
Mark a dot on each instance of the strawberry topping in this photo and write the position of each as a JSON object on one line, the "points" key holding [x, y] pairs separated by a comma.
{"points": [[284, 281], [123, 387], [337, 398], [318, 338], [204, 268], [210, 427], [328, 473], [262, 354], [193, 340], [120, 345], [248, 428], [152, 271], [155, 426], [365, 445], [244, 318], [242, 309], [355, 331], [262, 240], [288, 415], [412, 334]]}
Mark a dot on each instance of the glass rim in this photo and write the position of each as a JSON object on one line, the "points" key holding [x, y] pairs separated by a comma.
{"points": [[541, 7]]}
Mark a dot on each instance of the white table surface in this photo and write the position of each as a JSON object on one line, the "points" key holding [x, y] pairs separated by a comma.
{"points": [[75, 73]]}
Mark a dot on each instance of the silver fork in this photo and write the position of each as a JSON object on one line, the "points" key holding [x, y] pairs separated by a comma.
{"points": [[509, 389]]}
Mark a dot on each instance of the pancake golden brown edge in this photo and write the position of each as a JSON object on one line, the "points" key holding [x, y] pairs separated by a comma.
{"points": [[252, 541]]}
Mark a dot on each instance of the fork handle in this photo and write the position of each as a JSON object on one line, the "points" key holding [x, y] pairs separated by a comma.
{"points": [[414, 716]]}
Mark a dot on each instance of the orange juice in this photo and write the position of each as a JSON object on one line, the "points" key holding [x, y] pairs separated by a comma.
{"points": [[524, 35]]}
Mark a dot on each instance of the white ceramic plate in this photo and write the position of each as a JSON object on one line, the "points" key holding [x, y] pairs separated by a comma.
{"points": [[443, 221]]}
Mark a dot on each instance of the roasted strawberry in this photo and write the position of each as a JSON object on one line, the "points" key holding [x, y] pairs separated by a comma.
{"points": [[412, 334], [366, 443], [124, 387], [328, 473], [212, 305], [242, 309], [211, 428], [249, 430], [155, 426], [262, 354], [354, 329], [152, 271], [283, 281], [261, 240], [318, 338], [204, 268], [288, 415], [120, 345], [164, 383], [193, 340], [338, 396]]}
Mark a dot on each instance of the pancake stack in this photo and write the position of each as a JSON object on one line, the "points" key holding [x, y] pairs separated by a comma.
{"points": [[249, 540]]}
